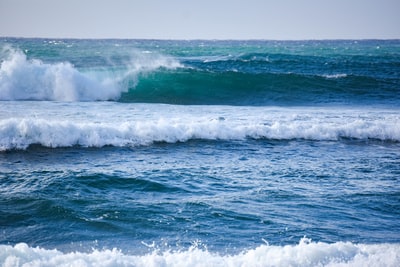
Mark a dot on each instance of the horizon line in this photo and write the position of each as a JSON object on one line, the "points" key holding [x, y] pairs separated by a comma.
{"points": [[200, 39]]}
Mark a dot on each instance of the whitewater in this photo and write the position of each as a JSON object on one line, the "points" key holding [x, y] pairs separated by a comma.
{"points": [[81, 124], [23, 79], [306, 253], [199, 153]]}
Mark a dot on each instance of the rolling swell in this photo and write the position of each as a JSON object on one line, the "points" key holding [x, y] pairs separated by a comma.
{"points": [[273, 78], [196, 86]]}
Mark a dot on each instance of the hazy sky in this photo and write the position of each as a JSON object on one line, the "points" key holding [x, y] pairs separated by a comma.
{"points": [[201, 19]]}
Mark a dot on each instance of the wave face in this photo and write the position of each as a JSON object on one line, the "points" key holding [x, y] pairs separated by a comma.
{"points": [[179, 72], [306, 253]]}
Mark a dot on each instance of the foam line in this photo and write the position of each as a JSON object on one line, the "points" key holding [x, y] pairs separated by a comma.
{"points": [[306, 253], [21, 133]]}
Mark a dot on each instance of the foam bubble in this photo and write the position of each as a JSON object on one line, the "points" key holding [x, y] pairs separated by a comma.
{"points": [[306, 253]]}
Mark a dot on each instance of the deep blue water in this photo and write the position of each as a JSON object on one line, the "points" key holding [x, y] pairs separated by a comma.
{"points": [[273, 153]]}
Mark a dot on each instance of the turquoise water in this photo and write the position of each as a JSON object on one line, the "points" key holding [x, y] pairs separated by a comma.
{"points": [[208, 153]]}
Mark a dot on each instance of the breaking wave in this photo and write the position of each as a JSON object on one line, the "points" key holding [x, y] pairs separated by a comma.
{"points": [[148, 77], [32, 79], [21, 133], [306, 253]]}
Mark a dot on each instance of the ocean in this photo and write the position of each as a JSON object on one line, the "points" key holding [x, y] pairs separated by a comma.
{"points": [[199, 153]]}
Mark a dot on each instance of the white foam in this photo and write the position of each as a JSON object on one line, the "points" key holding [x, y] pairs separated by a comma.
{"points": [[164, 124], [24, 79], [306, 253], [335, 76]]}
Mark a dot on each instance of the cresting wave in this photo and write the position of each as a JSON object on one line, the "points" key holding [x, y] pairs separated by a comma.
{"points": [[21, 133], [306, 253], [150, 77], [32, 79]]}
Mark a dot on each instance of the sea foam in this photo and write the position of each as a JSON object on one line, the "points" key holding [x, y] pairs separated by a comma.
{"points": [[20, 133], [306, 253], [32, 79]]}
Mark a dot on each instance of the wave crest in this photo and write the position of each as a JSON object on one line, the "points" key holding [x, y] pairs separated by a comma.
{"points": [[23, 79], [32, 79]]}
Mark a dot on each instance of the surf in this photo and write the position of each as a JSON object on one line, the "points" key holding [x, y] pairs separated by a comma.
{"points": [[306, 253], [94, 125], [23, 78]]}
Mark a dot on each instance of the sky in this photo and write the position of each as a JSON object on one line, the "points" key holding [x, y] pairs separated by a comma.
{"points": [[201, 19]]}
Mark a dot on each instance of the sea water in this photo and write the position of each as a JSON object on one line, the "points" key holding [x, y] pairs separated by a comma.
{"points": [[199, 153]]}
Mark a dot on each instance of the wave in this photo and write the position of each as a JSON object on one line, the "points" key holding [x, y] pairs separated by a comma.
{"points": [[196, 86], [147, 77], [306, 253], [22, 133], [32, 79], [263, 79]]}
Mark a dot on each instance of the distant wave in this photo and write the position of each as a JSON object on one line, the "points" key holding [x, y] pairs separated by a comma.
{"points": [[21, 133], [335, 76], [306, 253]]}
